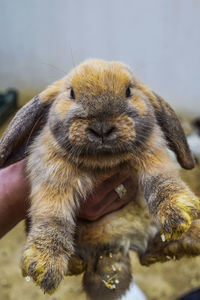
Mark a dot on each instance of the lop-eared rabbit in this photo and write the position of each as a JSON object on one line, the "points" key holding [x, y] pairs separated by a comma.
{"points": [[98, 120]]}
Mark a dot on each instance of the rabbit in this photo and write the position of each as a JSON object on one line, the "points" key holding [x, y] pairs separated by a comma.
{"points": [[97, 120]]}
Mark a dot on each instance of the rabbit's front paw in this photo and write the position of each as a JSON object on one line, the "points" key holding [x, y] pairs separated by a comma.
{"points": [[175, 215], [47, 268]]}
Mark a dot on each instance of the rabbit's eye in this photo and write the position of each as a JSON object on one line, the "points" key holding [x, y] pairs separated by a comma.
{"points": [[72, 94], [128, 92]]}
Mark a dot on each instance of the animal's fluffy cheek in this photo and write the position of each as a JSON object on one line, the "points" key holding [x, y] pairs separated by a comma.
{"points": [[62, 107], [126, 129], [77, 132], [140, 104]]}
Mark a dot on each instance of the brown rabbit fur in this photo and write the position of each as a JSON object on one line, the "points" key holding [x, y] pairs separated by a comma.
{"points": [[97, 120]]}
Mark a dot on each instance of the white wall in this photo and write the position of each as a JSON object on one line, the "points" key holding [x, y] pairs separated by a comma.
{"points": [[40, 40]]}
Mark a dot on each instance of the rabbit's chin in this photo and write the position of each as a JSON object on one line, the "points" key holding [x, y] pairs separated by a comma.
{"points": [[101, 151], [104, 148], [102, 158], [105, 162]]}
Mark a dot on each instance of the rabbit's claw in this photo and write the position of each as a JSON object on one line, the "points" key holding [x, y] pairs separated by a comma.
{"points": [[188, 245], [46, 269], [175, 216]]}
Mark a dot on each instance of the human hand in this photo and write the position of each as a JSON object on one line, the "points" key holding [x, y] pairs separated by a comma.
{"points": [[14, 191], [105, 199]]}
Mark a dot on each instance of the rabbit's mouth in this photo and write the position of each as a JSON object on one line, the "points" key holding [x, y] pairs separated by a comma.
{"points": [[96, 156], [100, 150], [106, 149]]}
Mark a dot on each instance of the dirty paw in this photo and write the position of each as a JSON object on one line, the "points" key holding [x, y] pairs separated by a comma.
{"points": [[175, 216], [46, 269], [174, 224], [158, 251], [188, 245]]}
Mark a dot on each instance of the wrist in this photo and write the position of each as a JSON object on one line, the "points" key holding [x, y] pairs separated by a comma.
{"points": [[13, 196]]}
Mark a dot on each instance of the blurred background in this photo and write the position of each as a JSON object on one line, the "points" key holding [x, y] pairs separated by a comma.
{"points": [[41, 40]]}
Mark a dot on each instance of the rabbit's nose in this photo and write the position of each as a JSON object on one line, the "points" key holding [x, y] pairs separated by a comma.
{"points": [[101, 132]]}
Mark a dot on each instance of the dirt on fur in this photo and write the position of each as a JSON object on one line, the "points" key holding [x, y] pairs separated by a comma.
{"points": [[165, 281]]}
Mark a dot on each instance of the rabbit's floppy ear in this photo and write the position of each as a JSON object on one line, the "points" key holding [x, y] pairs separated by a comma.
{"points": [[173, 131], [26, 125], [171, 127], [19, 133]]}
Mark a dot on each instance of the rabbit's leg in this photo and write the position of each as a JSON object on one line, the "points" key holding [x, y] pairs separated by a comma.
{"points": [[168, 198], [188, 245], [108, 274], [172, 203], [49, 243]]}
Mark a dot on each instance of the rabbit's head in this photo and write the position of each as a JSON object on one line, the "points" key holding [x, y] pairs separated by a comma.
{"points": [[100, 113]]}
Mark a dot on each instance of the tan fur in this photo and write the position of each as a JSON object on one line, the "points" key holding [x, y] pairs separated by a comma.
{"points": [[63, 106], [147, 91], [77, 130], [52, 90], [115, 228], [126, 126], [101, 130], [84, 78]]}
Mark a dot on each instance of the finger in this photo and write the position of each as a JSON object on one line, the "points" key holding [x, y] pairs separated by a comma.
{"points": [[113, 201], [117, 204], [131, 188], [120, 202], [94, 210], [104, 188]]}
